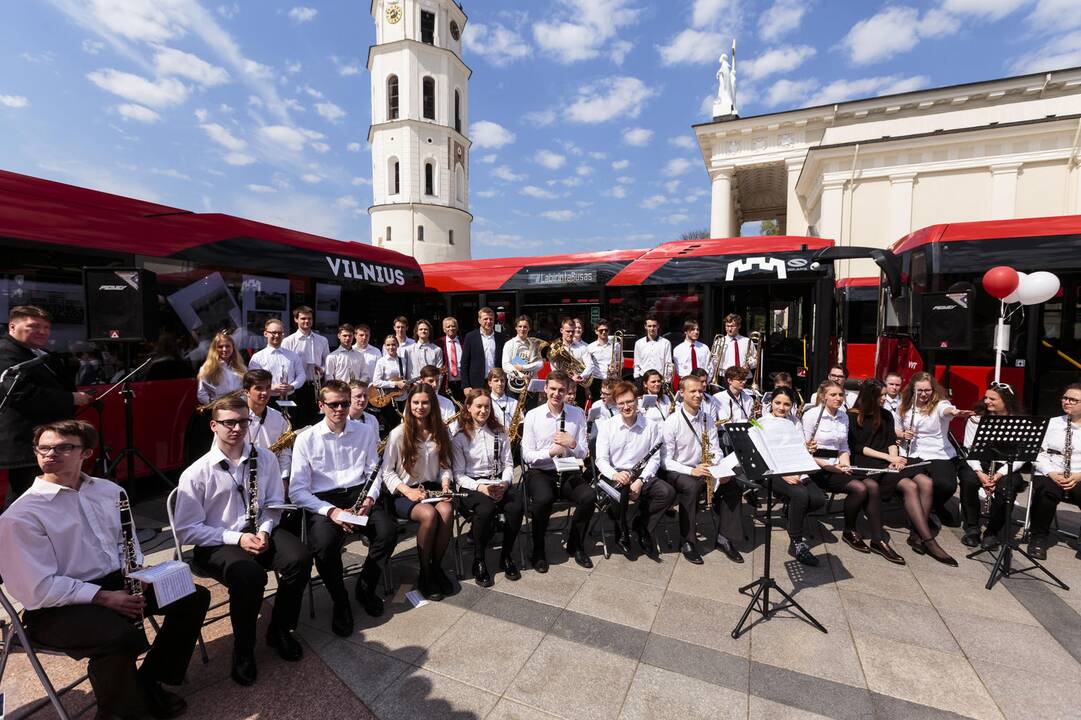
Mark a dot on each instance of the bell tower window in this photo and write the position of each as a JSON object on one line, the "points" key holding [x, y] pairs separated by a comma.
{"points": [[427, 27], [457, 111], [429, 179], [428, 86], [392, 97]]}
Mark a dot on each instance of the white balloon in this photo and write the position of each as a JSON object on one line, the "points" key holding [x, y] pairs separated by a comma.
{"points": [[1039, 287], [1013, 297]]}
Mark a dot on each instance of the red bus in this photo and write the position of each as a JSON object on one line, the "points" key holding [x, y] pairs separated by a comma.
{"points": [[767, 280], [1045, 340], [211, 270], [857, 317]]}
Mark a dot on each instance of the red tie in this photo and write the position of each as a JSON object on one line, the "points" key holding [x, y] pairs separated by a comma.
{"points": [[694, 359], [736, 343], [453, 358]]}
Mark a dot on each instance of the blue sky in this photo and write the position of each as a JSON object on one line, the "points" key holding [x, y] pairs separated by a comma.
{"points": [[580, 110]]}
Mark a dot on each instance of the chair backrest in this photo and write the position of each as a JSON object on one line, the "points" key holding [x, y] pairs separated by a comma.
{"points": [[170, 509]]}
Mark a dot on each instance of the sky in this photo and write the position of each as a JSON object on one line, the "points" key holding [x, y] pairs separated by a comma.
{"points": [[580, 110]]}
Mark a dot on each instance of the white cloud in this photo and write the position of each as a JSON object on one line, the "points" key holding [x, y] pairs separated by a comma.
{"points": [[777, 60], [683, 141], [170, 172], [549, 159], [1056, 15], [619, 191], [330, 111], [223, 137], [302, 14], [149, 21], [312, 91], [895, 30], [14, 101], [290, 138], [619, 50], [239, 159], [560, 215], [320, 147], [261, 188], [359, 181], [92, 47], [347, 202], [1062, 52], [676, 218], [706, 12], [677, 166], [781, 18], [292, 67], [346, 69], [229, 11], [789, 92], [489, 159], [353, 147], [503, 172], [170, 61], [536, 192], [540, 118], [638, 137], [137, 89], [583, 171], [132, 111], [840, 90], [495, 43], [608, 99], [624, 180], [654, 201], [487, 134], [693, 47], [486, 193], [312, 178], [672, 186], [582, 28], [620, 164], [989, 9]]}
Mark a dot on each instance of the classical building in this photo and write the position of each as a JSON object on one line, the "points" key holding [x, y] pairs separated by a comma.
{"points": [[867, 172], [420, 153]]}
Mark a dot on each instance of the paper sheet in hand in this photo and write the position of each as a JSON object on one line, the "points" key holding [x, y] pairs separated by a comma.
{"points": [[536, 385], [286, 403], [649, 401], [171, 581], [608, 489], [565, 464], [348, 517], [726, 468], [783, 456]]}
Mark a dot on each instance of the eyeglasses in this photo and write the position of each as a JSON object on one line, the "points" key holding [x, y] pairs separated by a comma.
{"points": [[338, 404], [61, 449], [234, 423], [1067, 400], [275, 333]]}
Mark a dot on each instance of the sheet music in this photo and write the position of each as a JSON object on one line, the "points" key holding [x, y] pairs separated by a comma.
{"points": [[565, 464], [171, 581], [348, 517], [783, 455], [726, 468]]}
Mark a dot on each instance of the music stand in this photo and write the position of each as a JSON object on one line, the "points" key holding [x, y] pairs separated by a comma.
{"points": [[756, 469], [1009, 439]]}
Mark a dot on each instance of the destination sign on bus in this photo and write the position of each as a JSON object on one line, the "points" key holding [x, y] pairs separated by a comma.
{"points": [[564, 277]]}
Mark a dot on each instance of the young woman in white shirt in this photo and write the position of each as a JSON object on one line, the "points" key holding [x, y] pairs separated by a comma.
{"points": [[222, 371], [653, 384], [417, 460], [484, 470], [389, 375], [1058, 470]]}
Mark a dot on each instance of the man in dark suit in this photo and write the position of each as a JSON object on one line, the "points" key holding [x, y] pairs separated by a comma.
{"points": [[41, 394], [482, 350], [451, 345]]}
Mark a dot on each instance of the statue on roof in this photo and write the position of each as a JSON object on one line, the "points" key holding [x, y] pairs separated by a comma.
{"points": [[725, 104]]}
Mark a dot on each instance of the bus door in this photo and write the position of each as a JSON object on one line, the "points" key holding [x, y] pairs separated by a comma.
{"points": [[1058, 348]]}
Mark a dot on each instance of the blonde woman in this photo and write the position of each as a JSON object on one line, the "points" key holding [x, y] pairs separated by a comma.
{"points": [[222, 371]]}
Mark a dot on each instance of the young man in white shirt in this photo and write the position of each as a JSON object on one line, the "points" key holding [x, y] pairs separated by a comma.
{"points": [[267, 424], [423, 351], [687, 472], [736, 403], [430, 375], [358, 405], [363, 335], [690, 354], [839, 374], [283, 364], [629, 452], [893, 384], [62, 561], [401, 332], [580, 351], [738, 350], [600, 351], [651, 351], [237, 538], [334, 466], [312, 349], [556, 430], [345, 363]]}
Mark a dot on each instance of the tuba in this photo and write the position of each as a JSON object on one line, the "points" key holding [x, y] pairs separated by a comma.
{"points": [[615, 367], [561, 359]]}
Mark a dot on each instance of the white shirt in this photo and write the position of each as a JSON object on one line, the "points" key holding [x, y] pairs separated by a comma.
{"points": [[477, 459], [456, 353], [970, 435], [488, 343], [539, 429], [264, 431], [683, 440], [832, 432], [348, 364], [283, 364], [747, 356], [420, 354], [503, 407], [931, 441], [659, 412], [737, 408], [682, 357], [510, 354], [212, 502], [426, 470], [1055, 439], [57, 540], [312, 349], [621, 446], [325, 460], [230, 381], [651, 355], [767, 400], [447, 408], [371, 355], [387, 370], [601, 353], [892, 404]]}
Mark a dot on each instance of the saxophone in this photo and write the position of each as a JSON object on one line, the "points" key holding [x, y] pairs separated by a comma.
{"points": [[707, 459], [514, 432], [129, 557], [286, 439]]}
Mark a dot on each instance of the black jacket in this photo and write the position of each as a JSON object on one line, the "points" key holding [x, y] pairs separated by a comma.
{"points": [[472, 368], [42, 394]]}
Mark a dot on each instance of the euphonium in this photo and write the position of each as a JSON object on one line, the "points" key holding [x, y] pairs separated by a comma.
{"points": [[518, 381], [561, 358], [716, 357]]}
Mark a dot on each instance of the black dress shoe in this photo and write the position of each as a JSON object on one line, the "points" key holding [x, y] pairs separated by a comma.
{"points": [[884, 549], [539, 563], [426, 586], [971, 538], [691, 553], [989, 541], [244, 672], [369, 599], [481, 574], [510, 570], [283, 641], [341, 620], [582, 558], [729, 551], [161, 703], [624, 543], [645, 541], [854, 541], [1037, 547]]}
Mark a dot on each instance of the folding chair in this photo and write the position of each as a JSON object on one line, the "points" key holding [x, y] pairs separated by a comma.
{"points": [[13, 636]]}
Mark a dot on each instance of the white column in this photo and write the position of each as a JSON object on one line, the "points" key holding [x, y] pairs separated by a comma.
{"points": [[832, 210], [721, 214], [795, 217], [901, 204], [1004, 190]]}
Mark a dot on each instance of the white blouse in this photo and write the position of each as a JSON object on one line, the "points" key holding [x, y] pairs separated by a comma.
{"points": [[832, 431], [426, 470], [476, 460], [932, 430], [230, 381]]}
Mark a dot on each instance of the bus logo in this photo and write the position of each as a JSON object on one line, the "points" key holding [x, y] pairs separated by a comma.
{"points": [[763, 264], [352, 270]]}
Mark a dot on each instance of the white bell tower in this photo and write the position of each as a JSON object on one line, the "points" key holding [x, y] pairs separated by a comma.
{"points": [[420, 154]]}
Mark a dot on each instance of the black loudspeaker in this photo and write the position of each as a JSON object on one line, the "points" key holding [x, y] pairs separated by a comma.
{"points": [[946, 321], [121, 304]]}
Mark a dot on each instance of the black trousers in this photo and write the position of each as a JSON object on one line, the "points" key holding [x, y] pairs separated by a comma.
{"points": [[803, 498], [656, 497], [726, 503], [325, 540], [970, 500], [246, 576], [544, 486], [1046, 495], [943, 474], [113, 643], [482, 511]]}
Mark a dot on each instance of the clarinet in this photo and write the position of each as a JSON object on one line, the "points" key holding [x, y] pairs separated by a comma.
{"points": [[253, 490], [814, 430], [1067, 449], [604, 499], [129, 559]]}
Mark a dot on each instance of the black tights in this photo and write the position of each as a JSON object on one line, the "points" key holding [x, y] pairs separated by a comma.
{"points": [[918, 494], [860, 494]]}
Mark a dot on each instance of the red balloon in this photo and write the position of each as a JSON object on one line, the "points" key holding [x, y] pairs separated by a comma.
{"points": [[1000, 281]]}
